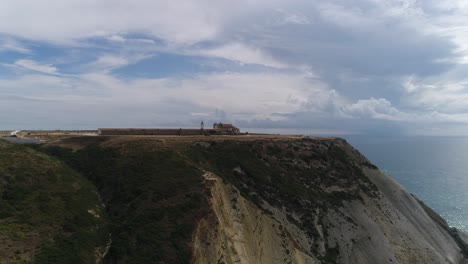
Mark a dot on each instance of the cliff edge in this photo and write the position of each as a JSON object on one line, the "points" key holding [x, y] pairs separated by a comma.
{"points": [[254, 200], [315, 201]]}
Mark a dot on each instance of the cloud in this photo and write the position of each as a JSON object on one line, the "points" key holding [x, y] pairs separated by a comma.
{"points": [[437, 95], [372, 108], [239, 52], [308, 33], [68, 21], [293, 17], [117, 38], [249, 99], [337, 64], [254, 95], [34, 66], [109, 62], [8, 44]]}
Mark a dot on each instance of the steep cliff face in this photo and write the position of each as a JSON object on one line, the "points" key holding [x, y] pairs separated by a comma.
{"points": [[241, 232], [255, 200], [311, 201]]}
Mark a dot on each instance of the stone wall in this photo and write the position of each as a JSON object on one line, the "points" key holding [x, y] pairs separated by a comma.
{"points": [[142, 131], [57, 133]]}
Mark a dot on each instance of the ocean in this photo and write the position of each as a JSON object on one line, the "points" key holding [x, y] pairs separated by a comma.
{"points": [[434, 169]]}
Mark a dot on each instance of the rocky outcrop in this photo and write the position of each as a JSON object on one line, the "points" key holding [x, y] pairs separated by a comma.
{"points": [[369, 218], [240, 232]]}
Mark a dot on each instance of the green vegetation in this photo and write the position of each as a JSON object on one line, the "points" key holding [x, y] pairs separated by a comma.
{"points": [[153, 199], [308, 178], [155, 193], [48, 212], [273, 171]]}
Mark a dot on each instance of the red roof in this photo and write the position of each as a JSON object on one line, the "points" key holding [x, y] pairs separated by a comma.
{"points": [[228, 126]]}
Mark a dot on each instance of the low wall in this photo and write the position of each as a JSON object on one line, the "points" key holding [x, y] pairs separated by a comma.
{"points": [[143, 131], [57, 132]]}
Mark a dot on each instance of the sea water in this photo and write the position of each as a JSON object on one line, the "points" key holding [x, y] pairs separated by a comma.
{"points": [[434, 169]]}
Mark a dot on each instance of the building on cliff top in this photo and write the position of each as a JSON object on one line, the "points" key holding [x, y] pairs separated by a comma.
{"points": [[226, 128]]}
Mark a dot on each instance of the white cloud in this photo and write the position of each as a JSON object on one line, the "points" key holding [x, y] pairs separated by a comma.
{"points": [[409, 85], [373, 108], [255, 95], [293, 17], [446, 19], [244, 54], [441, 94], [324, 102], [9, 44], [117, 38], [343, 16], [109, 62], [100, 99], [67, 21], [34, 66]]}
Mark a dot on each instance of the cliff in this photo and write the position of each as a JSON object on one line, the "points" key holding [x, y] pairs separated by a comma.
{"points": [[320, 202], [254, 199]]}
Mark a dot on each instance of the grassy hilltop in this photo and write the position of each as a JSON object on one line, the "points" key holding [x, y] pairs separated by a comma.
{"points": [[154, 197], [48, 212], [163, 199], [155, 193]]}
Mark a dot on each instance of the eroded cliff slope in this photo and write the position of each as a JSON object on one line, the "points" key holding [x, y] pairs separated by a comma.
{"points": [[253, 200]]}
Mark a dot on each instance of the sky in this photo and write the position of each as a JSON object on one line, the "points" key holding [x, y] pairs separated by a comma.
{"points": [[376, 67]]}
